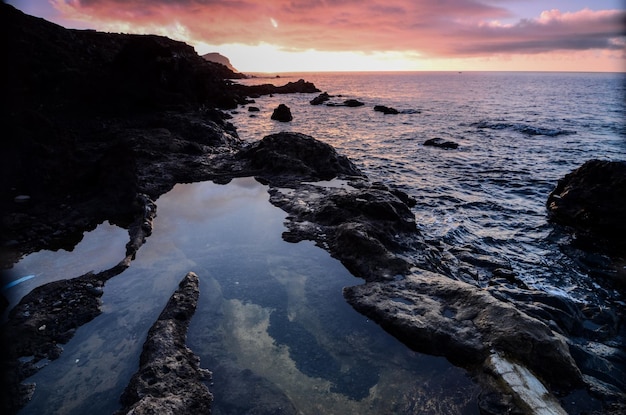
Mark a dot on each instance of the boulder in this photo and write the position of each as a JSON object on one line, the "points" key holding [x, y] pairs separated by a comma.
{"points": [[353, 103], [320, 99], [441, 143], [254, 109], [386, 110], [282, 113], [296, 156], [591, 202], [170, 380]]}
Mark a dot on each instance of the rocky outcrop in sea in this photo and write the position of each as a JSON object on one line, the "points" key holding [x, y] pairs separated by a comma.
{"points": [[282, 113], [591, 203]]}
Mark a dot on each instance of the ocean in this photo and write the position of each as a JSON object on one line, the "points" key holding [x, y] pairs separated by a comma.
{"points": [[483, 203], [271, 321]]}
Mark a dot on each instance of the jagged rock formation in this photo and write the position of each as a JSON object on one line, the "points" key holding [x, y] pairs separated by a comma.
{"points": [[320, 99], [170, 380], [591, 201], [282, 113]]}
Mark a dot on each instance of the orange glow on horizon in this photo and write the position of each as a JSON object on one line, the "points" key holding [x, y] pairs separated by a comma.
{"points": [[267, 58], [276, 36]]}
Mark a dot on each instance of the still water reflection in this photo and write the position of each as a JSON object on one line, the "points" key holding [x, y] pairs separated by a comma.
{"points": [[270, 313]]}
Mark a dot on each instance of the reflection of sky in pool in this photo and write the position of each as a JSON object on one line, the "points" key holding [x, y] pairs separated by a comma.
{"points": [[266, 307], [99, 249]]}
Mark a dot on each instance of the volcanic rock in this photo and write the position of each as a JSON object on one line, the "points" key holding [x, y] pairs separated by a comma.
{"points": [[437, 315], [591, 201], [353, 103], [79, 103], [320, 99], [441, 143], [170, 380], [282, 113], [45, 318], [386, 110], [300, 86], [295, 156]]}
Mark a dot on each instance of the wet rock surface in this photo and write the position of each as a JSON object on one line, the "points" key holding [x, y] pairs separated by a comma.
{"points": [[295, 157], [170, 380], [320, 99], [352, 103], [385, 109], [48, 316], [436, 315], [441, 143], [590, 203], [363, 224], [282, 113]]}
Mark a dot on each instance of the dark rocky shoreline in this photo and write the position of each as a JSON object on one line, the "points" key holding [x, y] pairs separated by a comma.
{"points": [[91, 140]]}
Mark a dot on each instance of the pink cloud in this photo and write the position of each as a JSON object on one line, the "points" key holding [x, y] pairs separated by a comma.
{"points": [[445, 28]]}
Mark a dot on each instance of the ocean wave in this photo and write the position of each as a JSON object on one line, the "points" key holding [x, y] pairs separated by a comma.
{"points": [[522, 128]]}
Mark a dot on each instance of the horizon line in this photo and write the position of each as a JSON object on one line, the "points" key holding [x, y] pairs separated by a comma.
{"points": [[425, 71]]}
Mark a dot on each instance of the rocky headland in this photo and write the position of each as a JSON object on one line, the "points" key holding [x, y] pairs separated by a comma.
{"points": [[99, 125]]}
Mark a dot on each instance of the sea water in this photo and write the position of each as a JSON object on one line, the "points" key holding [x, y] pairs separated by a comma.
{"points": [[518, 133]]}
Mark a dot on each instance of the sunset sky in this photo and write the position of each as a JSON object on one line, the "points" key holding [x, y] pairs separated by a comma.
{"points": [[364, 35]]}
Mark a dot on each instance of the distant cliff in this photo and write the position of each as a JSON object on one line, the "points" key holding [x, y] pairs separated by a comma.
{"points": [[221, 59]]}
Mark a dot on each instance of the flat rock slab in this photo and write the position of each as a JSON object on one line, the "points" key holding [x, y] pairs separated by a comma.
{"points": [[435, 314]]}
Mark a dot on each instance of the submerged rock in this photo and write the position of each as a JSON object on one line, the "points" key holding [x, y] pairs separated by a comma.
{"points": [[386, 110], [241, 391], [282, 113], [50, 314], [441, 143], [353, 103], [170, 380]]}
